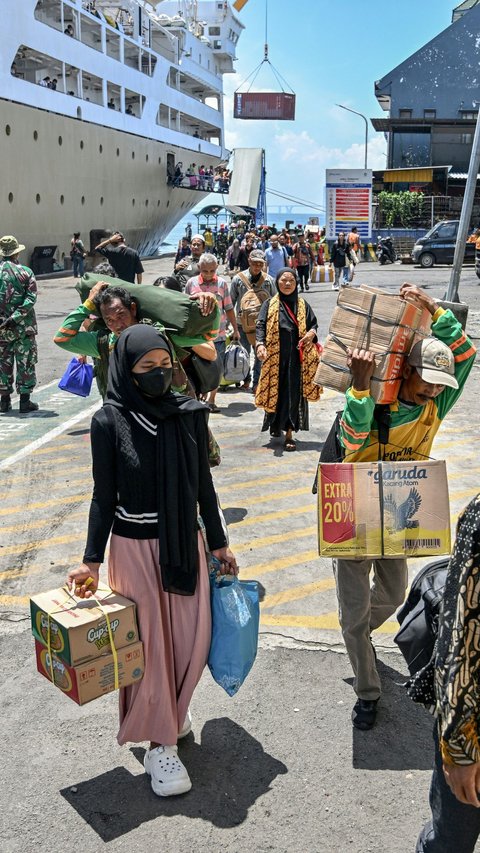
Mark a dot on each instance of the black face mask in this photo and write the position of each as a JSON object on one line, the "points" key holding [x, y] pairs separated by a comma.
{"points": [[155, 382]]}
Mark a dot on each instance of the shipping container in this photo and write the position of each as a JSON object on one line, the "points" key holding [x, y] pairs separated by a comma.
{"points": [[269, 106]]}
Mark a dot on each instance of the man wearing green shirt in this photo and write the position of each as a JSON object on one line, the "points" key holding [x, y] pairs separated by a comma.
{"points": [[118, 310]]}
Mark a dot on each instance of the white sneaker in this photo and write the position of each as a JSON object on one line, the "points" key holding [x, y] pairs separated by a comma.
{"points": [[187, 726], [168, 775]]}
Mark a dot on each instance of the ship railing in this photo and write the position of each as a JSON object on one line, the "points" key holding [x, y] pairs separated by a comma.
{"points": [[200, 183]]}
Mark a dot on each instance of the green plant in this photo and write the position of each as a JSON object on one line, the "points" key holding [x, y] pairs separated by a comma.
{"points": [[401, 209]]}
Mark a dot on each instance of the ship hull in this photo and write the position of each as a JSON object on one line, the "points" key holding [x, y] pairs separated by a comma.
{"points": [[63, 175]]}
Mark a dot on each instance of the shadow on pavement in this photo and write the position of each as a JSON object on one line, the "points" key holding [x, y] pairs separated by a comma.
{"points": [[234, 514], [234, 410], [229, 772], [42, 413], [402, 736]]}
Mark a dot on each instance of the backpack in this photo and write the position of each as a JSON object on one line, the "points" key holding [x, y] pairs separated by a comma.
{"points": [[333, 449], [236, 363], [420, 615], [250, 305]]}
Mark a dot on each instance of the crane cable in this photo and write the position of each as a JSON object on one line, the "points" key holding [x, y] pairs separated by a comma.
{"points": [[280, 80]]}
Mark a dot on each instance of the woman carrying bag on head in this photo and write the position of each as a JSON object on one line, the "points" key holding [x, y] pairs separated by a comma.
{"points": [[150, 470], [286, 344]]}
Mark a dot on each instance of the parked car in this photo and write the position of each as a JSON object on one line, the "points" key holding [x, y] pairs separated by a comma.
{"points": [[438, 246]]}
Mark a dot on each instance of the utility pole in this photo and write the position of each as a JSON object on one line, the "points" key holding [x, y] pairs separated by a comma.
{"points": [[452, 291]]}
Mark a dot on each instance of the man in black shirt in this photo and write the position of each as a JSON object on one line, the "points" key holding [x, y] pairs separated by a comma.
{"points": [[124, 260]]}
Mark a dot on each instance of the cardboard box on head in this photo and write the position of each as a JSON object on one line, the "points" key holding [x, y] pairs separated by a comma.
{"points": [[367, 318]]}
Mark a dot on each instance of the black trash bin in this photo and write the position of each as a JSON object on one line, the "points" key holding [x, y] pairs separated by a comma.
{"points": [[42, 259]]}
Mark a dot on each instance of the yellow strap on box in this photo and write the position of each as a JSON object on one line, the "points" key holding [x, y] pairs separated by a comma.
{"points": [[109, 631]]}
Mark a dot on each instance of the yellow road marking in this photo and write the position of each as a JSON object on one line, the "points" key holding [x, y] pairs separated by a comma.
{"points": [[38, 469], [277, 496], [297, 592], [265, 481], [36, 545], [68, 499], [277, 565], [54, 449], [467, 493], [260, 542], [9, 600], [12, 574], [55, 487], [271, 516], [327, 621]]}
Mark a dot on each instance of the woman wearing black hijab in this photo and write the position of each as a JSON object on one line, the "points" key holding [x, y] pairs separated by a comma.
{"points": [[285, 344], [150, 470]]}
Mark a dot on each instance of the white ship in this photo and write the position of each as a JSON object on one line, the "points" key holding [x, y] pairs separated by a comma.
{"points": [[138, 89]]}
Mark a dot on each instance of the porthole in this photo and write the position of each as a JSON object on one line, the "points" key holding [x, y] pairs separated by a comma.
{"points": [[159, 160], [82, 199], [133, 155], [60, 140], [10, 197], [168, 203], [100, 149], [101, 200], [8, 129], [158, 203], [146, 202], [146, 158], [62, 199], [35, 135], [81, 143], [133, 202], [118, 152], [37, 198]]}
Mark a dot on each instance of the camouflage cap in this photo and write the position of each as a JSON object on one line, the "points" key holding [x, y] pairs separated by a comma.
{"points": [[10, 246]]}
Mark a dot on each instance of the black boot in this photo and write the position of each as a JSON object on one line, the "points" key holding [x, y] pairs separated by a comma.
{"points": [[5, 403], [26, 405]]}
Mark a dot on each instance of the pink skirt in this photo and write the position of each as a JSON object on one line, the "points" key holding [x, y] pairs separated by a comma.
{"points": [[175, 630]]}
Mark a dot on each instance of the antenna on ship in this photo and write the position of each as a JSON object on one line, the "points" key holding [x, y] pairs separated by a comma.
{"points": [[270, 105]]}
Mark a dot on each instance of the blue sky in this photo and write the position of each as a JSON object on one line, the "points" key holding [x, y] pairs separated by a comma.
{"points": [[329, 52]]}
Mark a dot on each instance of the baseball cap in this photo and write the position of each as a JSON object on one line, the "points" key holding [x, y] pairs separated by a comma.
{"points": [[256, 255], [434, 362]]}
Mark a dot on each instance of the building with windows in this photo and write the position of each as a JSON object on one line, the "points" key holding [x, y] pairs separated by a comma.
{"points": [[432, 98]]}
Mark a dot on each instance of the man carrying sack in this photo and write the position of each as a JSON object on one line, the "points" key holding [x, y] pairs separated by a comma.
{"points": [[434, 375]]}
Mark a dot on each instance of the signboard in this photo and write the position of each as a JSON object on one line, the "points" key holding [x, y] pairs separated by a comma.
{"points": [[349, 202]]}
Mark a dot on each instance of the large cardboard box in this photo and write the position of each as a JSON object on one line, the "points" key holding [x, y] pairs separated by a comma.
{"points": [[93, 678], [383, 509], [371, 319], [321, 273], [78, 628]]}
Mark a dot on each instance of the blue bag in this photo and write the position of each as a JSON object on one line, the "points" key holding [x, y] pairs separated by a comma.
{"points": [[77, 378], [235, 618]]}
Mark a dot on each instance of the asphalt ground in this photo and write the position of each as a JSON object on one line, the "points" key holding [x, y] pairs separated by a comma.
{"points": [[277, 767]]}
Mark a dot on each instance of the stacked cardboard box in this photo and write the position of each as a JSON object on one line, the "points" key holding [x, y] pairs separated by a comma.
{"points": [[72, 641], [322, 273], [371, 319]]}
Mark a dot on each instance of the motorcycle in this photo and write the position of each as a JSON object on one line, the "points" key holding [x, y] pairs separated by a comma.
{"points": [[385, 251]]}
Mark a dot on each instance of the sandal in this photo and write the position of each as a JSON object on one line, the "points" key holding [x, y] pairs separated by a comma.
{"points": [[275, 433], [290, 444], [213, 408]]}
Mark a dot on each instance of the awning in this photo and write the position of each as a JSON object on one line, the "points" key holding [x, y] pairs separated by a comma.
{"points": [[210, 210], [408, 176]]}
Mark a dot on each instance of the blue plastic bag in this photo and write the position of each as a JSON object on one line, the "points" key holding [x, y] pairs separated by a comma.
{"points": [[77, 378], [235, 618]]}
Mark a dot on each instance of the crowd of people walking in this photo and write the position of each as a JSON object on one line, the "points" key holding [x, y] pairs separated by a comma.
{"points": [[152, 459]]}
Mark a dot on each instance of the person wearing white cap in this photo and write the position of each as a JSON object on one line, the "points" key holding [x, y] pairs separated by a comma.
{"points": [[188, 267], [18, 327], [433, 378]]}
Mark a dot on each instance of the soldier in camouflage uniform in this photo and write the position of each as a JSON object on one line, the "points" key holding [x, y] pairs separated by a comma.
{"points": [[18, 327]]}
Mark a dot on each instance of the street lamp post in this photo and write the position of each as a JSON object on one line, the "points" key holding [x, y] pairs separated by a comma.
{"points": [[366, 126]]}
